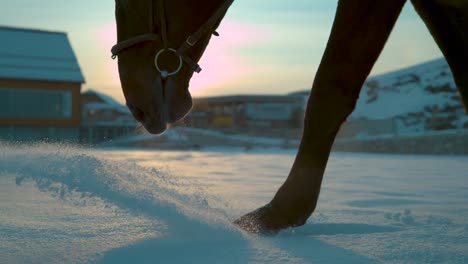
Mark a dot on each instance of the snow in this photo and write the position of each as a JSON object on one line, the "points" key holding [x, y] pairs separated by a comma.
{"points": [[273, 142], [189, 137], [108, 103], [173, 137], [403, 91], [108, 100], [103, 106], [64, 204]]}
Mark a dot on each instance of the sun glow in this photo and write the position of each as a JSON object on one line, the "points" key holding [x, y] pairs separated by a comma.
{"points": [[222, 63], [107, 37]]}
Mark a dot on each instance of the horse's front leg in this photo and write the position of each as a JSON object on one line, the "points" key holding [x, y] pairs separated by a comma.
{"points": [[359, 33]]}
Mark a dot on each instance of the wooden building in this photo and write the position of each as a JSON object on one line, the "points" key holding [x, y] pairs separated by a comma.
{"points": [[40, 83], [104, 119]]}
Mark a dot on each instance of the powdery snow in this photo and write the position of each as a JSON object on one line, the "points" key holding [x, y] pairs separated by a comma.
{"points": [[61, 204]]}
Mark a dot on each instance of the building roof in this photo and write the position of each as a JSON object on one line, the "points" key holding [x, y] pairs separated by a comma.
{"points": [[28, 54], [300, 93], [105, 102]]}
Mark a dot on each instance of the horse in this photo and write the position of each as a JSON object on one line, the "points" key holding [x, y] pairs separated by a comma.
{"points": [[160, 43]]}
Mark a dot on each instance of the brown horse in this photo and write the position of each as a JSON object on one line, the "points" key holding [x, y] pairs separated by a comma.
{"points": [[159, 43]]}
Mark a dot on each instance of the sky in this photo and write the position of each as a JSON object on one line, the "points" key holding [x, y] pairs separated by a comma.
{"points": [[265, 47]]}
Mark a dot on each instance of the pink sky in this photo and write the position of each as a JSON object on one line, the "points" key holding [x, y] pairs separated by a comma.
{"points": [[274, 48], [222, 63]]}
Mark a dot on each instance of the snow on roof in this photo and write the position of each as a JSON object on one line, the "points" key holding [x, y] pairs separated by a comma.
{"points": [[105, 98], [37, 55], [108, 102]]}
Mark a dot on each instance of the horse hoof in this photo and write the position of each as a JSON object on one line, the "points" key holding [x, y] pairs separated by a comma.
{"points": [[263, 221]]}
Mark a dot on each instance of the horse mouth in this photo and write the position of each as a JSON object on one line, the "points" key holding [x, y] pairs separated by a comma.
{"points": [[158, 120], [155, 128], [153, 123], [164, 104]]}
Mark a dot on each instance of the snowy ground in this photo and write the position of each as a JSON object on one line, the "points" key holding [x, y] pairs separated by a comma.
{"points": [[63, 204]]}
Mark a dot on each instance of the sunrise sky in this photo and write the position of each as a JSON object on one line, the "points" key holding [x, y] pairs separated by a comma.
{"points": [[266, 46]]}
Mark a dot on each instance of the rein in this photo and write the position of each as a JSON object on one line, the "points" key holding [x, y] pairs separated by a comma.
{"points": [[162, 38]]}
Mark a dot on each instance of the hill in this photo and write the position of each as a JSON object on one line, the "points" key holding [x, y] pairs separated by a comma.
{"points": [[421, 97]]}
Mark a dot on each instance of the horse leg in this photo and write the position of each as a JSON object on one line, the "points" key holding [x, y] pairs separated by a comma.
{"points": [[448, 23], [359, 33]]}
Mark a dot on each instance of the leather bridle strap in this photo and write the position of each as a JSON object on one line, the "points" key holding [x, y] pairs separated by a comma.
{"points": [[119, 47], [195, 37], [190, 41]]}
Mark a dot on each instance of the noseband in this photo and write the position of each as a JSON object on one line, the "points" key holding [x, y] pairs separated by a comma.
{"points": [[180, 52]]}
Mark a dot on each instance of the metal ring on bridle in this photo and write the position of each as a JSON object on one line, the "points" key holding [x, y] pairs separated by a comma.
{"points": [[165, 73]]}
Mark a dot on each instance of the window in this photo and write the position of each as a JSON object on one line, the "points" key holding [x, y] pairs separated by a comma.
{"points": [[33, 103]]}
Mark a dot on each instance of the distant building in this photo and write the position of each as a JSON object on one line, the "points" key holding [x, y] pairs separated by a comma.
{"points": [[103, 118], [247, 112], [364, 128], [304, 95], [40, 83]]}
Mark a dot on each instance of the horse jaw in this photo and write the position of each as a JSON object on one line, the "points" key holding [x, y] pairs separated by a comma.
{"points": [[177, 99], [153, 102]]}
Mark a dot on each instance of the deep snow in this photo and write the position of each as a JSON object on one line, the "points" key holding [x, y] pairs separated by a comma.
{"points": [[65, 204]]}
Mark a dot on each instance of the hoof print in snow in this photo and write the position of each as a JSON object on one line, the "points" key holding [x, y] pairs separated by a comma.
{"points": [[405, 218]]}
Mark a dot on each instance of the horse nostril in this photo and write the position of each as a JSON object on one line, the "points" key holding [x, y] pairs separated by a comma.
{"points": [[137, 112]]}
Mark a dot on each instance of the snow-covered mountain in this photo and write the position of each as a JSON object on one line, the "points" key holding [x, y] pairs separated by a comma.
{"points": [[421, 97]]}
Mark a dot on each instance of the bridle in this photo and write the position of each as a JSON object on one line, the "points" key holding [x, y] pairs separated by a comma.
{"points": [[179, 52]]}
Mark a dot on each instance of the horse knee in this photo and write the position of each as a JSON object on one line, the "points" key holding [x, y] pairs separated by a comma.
{"points": [[346, 106], [333, 104], [336, 90]]}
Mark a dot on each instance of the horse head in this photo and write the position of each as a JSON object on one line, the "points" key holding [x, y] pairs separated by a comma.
{"points": [[159, 45]]}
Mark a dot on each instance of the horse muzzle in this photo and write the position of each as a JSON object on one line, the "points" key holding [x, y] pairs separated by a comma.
{"points": [[170, 103]]}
